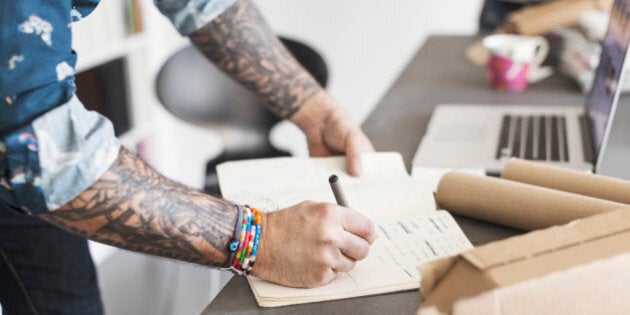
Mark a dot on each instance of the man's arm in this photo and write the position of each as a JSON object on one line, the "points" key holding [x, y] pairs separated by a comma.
{"points": [[241, 43], [133, 207]]}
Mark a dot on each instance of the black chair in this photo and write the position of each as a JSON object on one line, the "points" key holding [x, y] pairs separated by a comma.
{"points": [[194, 90]]}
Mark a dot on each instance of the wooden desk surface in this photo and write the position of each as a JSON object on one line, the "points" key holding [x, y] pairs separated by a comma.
{"points": [[437, 74]]}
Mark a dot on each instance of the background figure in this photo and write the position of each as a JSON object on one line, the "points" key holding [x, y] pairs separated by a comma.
{"points": [[495, 12]]}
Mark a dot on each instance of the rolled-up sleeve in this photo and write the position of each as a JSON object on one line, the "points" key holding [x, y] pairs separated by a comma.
{"points": [[55, 158], [190, 15], [76, 147]]}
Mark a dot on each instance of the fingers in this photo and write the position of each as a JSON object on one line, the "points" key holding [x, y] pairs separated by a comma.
{"points": [[358, 224], [343, 264], [357, 144], [316, 146], [353, 247], [355, 165]]}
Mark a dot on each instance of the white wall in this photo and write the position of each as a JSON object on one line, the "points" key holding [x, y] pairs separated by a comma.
{"points": [[367, 43]]}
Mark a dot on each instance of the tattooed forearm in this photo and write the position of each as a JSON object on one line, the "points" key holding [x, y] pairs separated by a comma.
{"points": [[134, 207], [241, 43]]}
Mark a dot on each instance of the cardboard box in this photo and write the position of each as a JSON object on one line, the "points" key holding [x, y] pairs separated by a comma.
{"points": [[579, 268]]}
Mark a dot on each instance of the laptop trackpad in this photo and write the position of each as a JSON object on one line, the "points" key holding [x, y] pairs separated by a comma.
{"points": [[461, 133]]}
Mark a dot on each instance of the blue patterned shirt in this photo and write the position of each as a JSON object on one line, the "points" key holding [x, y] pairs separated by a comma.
{"points": [[51, 147]]}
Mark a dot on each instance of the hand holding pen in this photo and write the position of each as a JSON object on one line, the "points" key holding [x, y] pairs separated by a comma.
{"points": [[332, 238]]}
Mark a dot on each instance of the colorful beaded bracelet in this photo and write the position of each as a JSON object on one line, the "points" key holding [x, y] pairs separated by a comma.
{"points": [[244, 247]]}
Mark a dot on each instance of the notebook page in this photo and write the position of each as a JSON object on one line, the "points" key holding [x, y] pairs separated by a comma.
{"points": [[409, 230], [383, 190], [402, 245]]}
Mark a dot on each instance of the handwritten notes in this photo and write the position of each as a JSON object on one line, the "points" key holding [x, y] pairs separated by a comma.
{"points": [[411, 241]]}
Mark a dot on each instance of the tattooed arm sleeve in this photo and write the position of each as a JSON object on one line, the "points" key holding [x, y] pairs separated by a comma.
{"points": [[241, 43], [133, 207]]}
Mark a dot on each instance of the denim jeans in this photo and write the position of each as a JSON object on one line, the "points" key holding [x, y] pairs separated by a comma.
{"points": [[43, 269]]}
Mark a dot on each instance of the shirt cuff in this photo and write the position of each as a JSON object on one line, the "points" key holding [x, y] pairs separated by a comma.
{"points": [[76, 147], [189, 16]]}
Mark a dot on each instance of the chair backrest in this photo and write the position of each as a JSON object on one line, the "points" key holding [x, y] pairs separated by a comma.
{"points": [[193, 89]]}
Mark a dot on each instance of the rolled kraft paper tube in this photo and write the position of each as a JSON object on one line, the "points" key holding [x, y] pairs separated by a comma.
{"points": [[572, 181], [515, 204]]}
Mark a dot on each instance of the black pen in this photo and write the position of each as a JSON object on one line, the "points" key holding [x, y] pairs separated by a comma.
{"points": [[337, 191]]}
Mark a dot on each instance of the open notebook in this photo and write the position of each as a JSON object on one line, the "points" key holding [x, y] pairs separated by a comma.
{"points": [[409, 230]]}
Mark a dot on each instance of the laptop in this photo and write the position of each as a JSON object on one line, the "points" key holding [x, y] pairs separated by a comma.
{"points": [[474, 136]]}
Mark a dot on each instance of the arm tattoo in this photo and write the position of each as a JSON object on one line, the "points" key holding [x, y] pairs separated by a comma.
{"points": [[132, 206], [241, 43]]}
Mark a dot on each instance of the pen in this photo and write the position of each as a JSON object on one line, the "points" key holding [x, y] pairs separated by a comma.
{"points": [[337, 191]]}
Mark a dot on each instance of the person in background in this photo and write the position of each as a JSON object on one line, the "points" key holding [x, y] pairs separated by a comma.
{"points": [[62, 170], [495, 12]]}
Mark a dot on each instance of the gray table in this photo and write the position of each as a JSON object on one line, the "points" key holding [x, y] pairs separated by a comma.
{"points": [[437, 74]]}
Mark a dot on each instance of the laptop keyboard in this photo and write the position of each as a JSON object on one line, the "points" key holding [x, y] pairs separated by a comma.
{"points": [[540, 138]]}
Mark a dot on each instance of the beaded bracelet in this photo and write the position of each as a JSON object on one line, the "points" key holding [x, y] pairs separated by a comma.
{"points": [[244, 247], [244, 261], [233, 245]]}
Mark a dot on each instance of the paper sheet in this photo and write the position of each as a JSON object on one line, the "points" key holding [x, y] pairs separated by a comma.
{"points": [[401, 246], [430, 176], [384, 190]]}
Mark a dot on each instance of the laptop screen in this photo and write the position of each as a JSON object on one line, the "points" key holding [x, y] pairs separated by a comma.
{"points": [[604, 92]]}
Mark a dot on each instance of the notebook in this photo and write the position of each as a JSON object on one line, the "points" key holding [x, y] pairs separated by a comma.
{"points": [[485, 136], [409, 230]]}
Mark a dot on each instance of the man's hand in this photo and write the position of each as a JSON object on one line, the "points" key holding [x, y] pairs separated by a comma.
{"points": [[330, 131], [307, 244]]}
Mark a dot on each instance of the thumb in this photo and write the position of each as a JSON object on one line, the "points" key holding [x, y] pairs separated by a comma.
{"points": [[356, 145]]}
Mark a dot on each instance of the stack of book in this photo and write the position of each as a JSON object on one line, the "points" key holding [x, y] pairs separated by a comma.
{"points": [[133, 14], [580, 49]]}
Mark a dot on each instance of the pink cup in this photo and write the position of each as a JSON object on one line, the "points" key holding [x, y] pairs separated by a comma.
{"points": [[506, 75], [514, 61]]}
